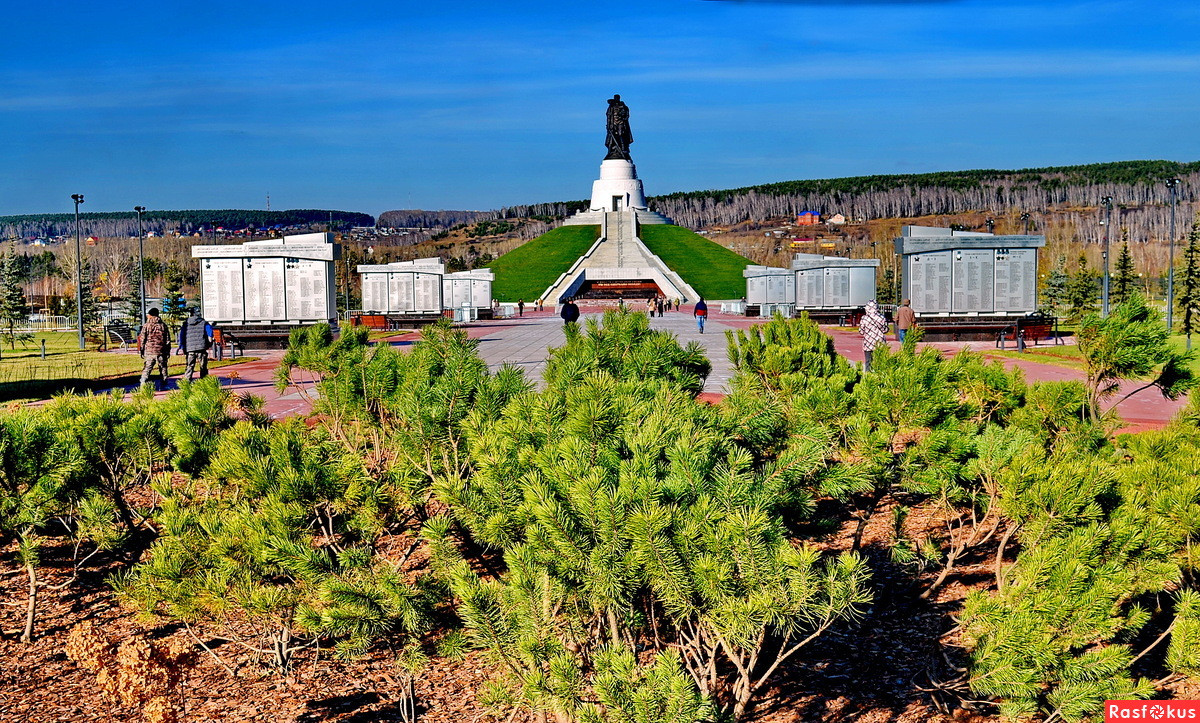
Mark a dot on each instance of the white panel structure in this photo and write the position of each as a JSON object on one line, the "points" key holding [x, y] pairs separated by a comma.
{"points": [[403, 287], [862, 285], [837, 287], [810, 288], [769, 285], [468, 288], [833, 282], [928, 281], [973, 281], [222, 295], [1016, 279], [277, 281], [969, 273]]}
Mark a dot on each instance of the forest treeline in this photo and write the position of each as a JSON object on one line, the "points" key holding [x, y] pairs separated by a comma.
{"points": [[1138, 186], [417, 218], [125, 223]]}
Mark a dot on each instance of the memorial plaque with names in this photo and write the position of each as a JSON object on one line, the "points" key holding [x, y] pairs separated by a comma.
{"points": [[929, 276], [221, 281], [306, 289], [265, 290], [481, 293], [1016, 280], [400, 292], [375, 292], [428, 292], [973, 275], [810, 288], [777, 289], [837, 287]]}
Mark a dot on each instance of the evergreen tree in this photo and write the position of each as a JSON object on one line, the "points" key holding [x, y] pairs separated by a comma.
{"points": [[1187, 296], [13, 308], [1081, 291], [1124, 279], [889, 289], [1131, 344], [1054, 290], [174, 305]]}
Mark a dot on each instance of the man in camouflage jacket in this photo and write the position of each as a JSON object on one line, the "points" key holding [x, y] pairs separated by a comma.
{"points": [[154, 344]]}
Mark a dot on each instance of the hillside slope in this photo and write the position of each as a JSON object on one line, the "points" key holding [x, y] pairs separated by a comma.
{"points": [[528, 270], [713, 271]]}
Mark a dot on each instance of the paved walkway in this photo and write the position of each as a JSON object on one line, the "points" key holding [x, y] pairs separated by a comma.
{"points": [[525, 342]]}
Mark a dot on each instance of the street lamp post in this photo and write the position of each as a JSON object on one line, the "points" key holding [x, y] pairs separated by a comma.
{"points": [[1108, 205], [78, 199], [1025, 217], [1171, 185], [141, 263]]}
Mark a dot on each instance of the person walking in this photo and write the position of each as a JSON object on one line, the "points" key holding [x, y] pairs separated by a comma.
{"points": [[905, 319], [873, 327], [218, 339], [569, 312], [650, 308], [701, 313], [538, 304], [520, 307], [195, 337], [154, 346], [658, 305]]}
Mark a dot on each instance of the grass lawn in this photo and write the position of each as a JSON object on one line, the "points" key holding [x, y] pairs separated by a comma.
{"points": [[714, 271], [528, 270], [1069, 356], [25, 375]]}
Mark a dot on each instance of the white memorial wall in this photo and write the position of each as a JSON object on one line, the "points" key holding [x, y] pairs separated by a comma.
{"points": [[833, 282], [276, 281], [472, 289], [948, 273], [403, 287]]}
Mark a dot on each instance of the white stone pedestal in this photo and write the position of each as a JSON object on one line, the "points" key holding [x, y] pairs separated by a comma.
{"points": [[618, 188]]}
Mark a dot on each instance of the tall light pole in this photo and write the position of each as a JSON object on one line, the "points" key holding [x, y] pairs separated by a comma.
{"points": [[1171, 185], [1108, 204], [141, 263], [1025, 217], [78, 199]]}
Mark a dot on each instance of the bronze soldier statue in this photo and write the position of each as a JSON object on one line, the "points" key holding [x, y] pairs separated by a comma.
{"points": [[619, 136]]}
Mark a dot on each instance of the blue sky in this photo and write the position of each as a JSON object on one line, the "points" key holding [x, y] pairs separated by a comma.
{"points": [[371, 106]]}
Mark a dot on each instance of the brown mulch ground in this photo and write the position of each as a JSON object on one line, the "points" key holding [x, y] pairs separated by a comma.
{"points": [[873, 671]]}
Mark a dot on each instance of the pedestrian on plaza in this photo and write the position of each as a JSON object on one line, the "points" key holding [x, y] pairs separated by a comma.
{"points": [[873, 328], [538, 304], [701, 313], [520, 307], [569, 313], [218, 340], [658, 305], [650, 308], [677, 302], [905, 319], [154, 346], [195, 337]]}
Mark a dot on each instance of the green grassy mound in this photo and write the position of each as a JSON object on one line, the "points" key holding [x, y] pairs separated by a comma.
{"points": [[528, 270], [714, 271]]}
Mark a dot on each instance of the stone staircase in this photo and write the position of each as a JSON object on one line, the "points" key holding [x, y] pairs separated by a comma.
{"points": [[619, 254]]}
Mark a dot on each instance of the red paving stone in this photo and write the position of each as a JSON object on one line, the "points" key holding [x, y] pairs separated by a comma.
{"points": [[1147, 409]]}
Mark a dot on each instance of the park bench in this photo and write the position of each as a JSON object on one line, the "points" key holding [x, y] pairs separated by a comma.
{"points": [[121, 335], [233, 344], [1038, 330]]}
